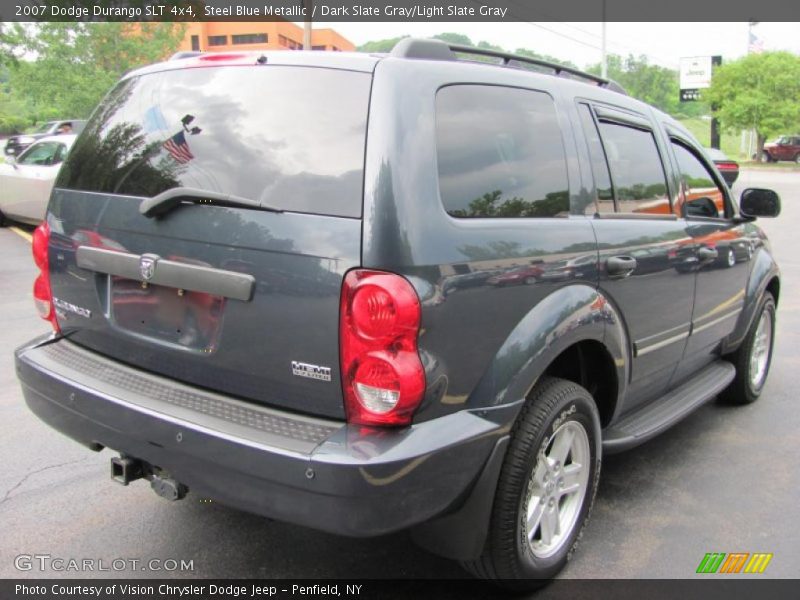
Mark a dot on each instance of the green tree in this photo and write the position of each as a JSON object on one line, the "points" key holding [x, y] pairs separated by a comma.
{"points": [[376, 46], [77, 63], [386, 45], [650, 83], [758, 91]]}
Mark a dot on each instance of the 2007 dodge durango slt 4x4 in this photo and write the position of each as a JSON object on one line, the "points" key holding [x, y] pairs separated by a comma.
{"points": [[272, 280]]}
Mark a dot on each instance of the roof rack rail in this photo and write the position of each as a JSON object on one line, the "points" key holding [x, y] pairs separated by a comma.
{"points": [[438, 50]]}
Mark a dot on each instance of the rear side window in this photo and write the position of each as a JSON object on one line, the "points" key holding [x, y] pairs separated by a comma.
{"points": [[640, 184], [500, 153], [290, 137]]}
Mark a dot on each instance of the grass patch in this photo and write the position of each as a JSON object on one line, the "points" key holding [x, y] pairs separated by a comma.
{"points": [[701, 129]]}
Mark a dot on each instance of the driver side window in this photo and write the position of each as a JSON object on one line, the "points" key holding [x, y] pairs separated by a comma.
{"points": [[44, 154], [700, 196]]}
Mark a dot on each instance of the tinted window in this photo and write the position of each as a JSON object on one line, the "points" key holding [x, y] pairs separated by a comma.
{"points": [[500, 153], [602, 179], [290, 137], [249, 38], [700, 196], [640, 185], [42, 154], [217, 40]]}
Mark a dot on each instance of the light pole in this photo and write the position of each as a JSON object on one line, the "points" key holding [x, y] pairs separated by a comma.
{"points": [[603, 61]]}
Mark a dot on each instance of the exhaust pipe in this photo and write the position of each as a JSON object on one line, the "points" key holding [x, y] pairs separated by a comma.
{"points": [[125, 469]]}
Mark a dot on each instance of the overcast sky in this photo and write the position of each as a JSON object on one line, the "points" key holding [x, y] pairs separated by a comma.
{"points": [[663, 43]]}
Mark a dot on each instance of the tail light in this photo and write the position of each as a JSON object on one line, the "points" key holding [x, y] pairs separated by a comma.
{"points": [[727, 166], [42, 294], [382, 376]]}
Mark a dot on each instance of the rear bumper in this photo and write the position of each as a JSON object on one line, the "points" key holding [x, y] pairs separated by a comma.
{"points": [[323, 474]]}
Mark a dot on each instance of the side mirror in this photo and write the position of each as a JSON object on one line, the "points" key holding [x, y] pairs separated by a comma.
{"points": [[758, 202]]}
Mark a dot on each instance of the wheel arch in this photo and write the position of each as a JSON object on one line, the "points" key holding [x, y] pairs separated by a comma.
{"points": [[764, 277], [574, 333]]}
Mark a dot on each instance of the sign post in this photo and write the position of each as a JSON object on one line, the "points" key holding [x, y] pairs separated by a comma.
{"points": [[695, 75]]}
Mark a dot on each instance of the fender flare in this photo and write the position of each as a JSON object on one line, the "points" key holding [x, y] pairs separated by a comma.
{"points": [[763, 272], [571, 314]]}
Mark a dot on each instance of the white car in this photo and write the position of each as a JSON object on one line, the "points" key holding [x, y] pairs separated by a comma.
{"points": [[27, 180]]}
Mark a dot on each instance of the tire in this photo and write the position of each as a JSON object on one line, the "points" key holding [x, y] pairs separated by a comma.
{"points": [[730, 258], [2, 220], [797, 158], [750, 377], [531, 478], [530, 280]]}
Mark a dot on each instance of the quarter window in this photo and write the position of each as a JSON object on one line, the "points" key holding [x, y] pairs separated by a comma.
{"points": [[500, 153], [640, 184], [217, 40], [602, 179]]}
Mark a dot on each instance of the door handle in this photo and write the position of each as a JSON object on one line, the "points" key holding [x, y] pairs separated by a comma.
{"points": [[707, 253], [620, 266]]}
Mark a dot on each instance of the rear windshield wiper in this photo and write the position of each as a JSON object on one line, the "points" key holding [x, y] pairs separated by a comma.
{"points": [[166, 201]]}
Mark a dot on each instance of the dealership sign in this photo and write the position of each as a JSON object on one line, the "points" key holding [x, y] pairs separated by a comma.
{"points": [[695, 75]]}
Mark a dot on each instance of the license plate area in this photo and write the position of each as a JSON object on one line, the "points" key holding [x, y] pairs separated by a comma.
{"points": [[177, 317]]}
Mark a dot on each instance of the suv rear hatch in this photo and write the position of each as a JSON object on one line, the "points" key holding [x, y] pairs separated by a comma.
{"points": [[240, 300]]}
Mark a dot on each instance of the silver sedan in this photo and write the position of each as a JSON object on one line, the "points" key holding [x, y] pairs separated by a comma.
{"points": [[27, 180]]}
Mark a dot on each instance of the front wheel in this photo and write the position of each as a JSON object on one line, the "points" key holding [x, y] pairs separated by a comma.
{"points": [[765, 157], [797, 158], [546, 487], [754, 357]]}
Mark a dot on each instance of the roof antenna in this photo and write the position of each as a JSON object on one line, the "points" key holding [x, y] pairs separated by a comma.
{"points": [[262, 60]]}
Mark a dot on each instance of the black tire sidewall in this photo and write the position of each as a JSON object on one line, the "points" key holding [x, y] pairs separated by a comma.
{"points": [[767, 304], [578, 407]]}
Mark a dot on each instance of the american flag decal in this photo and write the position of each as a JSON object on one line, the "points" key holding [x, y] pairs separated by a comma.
{"points": [[178, 148]]}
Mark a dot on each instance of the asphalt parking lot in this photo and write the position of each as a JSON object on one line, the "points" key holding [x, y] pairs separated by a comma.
{"points": [[724, 480]]}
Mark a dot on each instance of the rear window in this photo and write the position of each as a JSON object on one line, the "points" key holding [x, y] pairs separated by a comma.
{"points": [[500, 153], [287, 136]]}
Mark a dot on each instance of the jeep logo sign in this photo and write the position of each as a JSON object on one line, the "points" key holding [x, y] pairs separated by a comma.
{"points": [[311, 371]]}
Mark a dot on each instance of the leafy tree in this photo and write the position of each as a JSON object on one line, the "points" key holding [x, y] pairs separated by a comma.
{"points": [[77, 63], [386, 45], [758, 91], [650, 83]]}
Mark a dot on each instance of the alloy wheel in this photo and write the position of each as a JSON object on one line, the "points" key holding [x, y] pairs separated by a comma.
{"points": [[557, 489]]}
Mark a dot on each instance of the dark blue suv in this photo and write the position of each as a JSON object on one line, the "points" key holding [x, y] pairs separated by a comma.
{"points": [[273, 281]]}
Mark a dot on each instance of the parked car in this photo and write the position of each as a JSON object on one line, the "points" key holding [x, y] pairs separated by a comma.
{"points": [[786, 147], [17, 143], [728, 167], [26, 182], [516, 276], [476, 421]]}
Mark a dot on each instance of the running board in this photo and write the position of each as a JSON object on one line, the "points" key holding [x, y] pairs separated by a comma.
{"points": [[659, 415]]}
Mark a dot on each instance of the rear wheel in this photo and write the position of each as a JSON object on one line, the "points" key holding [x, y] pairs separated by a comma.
{"points": [[765, 157], [2, 220], [546, 487], [797, 158], [754, 357]]}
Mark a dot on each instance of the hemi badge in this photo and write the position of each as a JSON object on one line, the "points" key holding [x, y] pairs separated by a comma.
{"points": [[311, 371]]}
